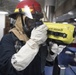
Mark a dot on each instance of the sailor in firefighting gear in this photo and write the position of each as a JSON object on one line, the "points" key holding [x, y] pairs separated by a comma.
{"points": [[22, 54]]}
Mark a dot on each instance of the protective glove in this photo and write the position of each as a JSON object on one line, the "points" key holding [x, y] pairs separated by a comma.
{"points": [[50, 57], [39, 34], [26, 54], [57, 49]]}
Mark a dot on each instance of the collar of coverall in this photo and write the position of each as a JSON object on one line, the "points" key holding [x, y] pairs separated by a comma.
{"points": [[18, 30]]}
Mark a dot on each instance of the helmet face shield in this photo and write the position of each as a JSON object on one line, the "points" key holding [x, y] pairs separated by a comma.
{"points": [[37, 15], [30, 23]]}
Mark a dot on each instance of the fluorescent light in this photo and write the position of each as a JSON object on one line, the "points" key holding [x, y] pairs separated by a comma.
{"points": [[20, 0], [75, 19], [2, 12], [70, 13]]}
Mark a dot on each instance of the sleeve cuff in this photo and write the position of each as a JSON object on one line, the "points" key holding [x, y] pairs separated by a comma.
{"points": [[32, 44]]}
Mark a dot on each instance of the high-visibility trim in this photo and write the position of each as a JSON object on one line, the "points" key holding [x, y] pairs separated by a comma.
{"points": [[17, 10]]}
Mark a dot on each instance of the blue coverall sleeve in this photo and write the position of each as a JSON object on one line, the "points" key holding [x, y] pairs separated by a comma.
{"points": [[6, 51]]}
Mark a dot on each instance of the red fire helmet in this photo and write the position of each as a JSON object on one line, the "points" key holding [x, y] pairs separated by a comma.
{"points": [[32, 4]]}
